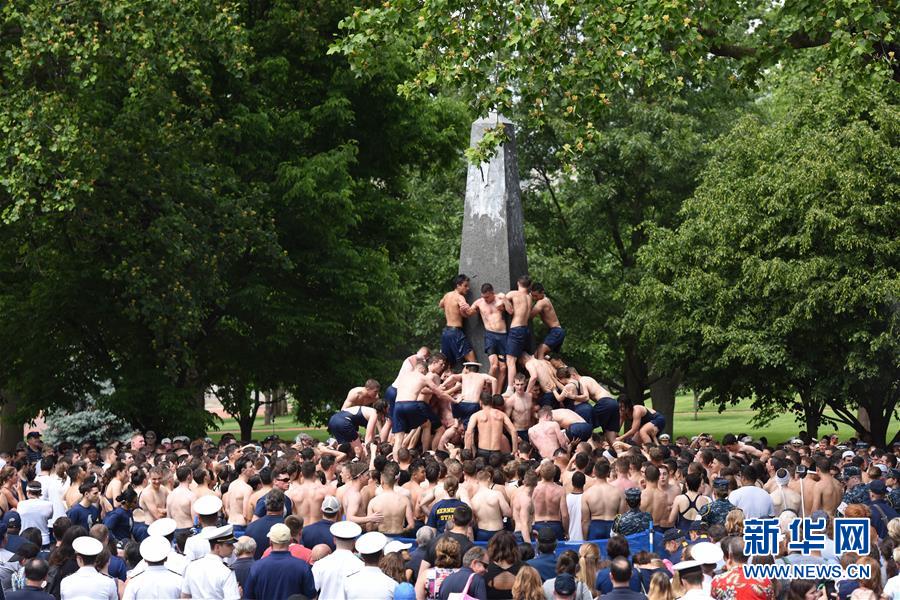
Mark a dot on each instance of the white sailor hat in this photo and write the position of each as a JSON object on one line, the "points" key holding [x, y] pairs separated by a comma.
{"points": [[345, 530], [207, 505], [665, 436], [224, 534], [848, 454], [87, 546], [162, 527], [165, 441], [396, 546], [687, 565], [372, 542], [707, 553], [155, 548], [476, 365]]}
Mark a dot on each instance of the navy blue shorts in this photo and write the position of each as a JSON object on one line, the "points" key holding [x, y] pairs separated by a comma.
{"points": [[454, 344], [464, 410], [484, 535], [517, 341], [555, 526], [555, 338], [606, 414], [412, 414], [494, 343], [659, 420], [523, 434], [583, 410], [341, 427], [599, 529], [547, 399], [390, 396], [580, 431]]}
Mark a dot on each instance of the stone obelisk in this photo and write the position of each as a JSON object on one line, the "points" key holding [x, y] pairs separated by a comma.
{"points": [[493, 235]]}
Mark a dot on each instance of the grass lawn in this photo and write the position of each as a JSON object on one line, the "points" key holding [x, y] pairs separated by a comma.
{"points": [[733, 420]]}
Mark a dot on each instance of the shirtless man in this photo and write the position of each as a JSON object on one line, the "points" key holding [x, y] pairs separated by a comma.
{"points": [[783, 497], [655, 501], [489, 507], [547, 436], [362, 396], [390, 394], [550, 508], [354, 503], [518, 304], [827, 493], [600, 504], [492, 308], [665, 484], [542, 382], [575, 427], [307, 496], [253, 498], [454, 343], [623, 480], [490, 423], [543, 307], [394, 507], [180, 500], [153, 497], [238, 492], [523, 507], [409, 412], [414, 488], [519, 407], [605, 411]]}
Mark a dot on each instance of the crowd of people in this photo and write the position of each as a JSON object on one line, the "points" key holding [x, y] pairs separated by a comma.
{"points": [[529, 482]]}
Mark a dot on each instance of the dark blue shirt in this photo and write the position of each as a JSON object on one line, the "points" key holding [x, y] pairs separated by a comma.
{"points": [[545, 565], [117, 568], [279, 575], [456, 583], [880, 522], [442, 512], [318, 533], [604, 583], [259, 531], [260, 509], [119, 522], [86, 517], [29, 592], [241, 568]]}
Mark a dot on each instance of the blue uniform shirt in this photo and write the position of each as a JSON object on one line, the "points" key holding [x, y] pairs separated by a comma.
{"points": [[260, 508], [318, 533], [86, 517], [279, 575]]}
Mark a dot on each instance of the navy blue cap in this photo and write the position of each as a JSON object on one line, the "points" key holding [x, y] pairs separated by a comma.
{"points": [[851, 471], [565, 584], [877, 487], [633, 494], [720, 482]]}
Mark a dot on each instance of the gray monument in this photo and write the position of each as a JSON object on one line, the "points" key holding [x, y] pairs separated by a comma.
{"points": [[493, 235]]}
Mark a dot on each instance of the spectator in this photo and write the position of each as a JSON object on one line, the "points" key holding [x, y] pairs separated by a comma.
{"points": [[330, 572], [447, 561], [504, 566], [259, 529], [588, 566], [369, 582], [469, 579], [244, 550], [319, 532], [545, 561], [528, 585], [567, 564], [620, 572], [870, 588], [35, 577], [280, 574], [423, 538], [297, 550], [660, 588]]}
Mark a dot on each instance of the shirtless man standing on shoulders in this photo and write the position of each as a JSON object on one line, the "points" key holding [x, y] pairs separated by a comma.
{"points": [[153, 497], [238, 492], [550, 508], [543, 307], [395, 508], [492, 308], [543, 380], [519, 407], [489, 423], [473, 386], [518, 304], [600, 504], [362, 396], [409, 412], [454, 343], [180, 500], [489, 507], [546, 436]]}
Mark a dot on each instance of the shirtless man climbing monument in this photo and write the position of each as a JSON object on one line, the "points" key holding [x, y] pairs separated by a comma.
{"points": [[543, 307], [363, 395], [473, 386], [518, 304], [492, 308], [411, 413], [547, 436], [490, 423], [543, 380], [454, 343]]}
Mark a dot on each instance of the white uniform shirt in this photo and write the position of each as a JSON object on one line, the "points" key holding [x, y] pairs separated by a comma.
{"points": [[892, 588], [88, 584], [369, 583], [573, 501], [174, 562], [329, 573], [208, 577], [36, 512], [154, 582], [196, 547], [696, 595]]}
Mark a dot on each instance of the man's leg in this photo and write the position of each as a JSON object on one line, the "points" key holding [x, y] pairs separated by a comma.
{"points": [[541, 351]]}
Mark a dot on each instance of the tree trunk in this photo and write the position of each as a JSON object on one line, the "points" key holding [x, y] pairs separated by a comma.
{"points": [[662, 392], [878, 422], [10, 428], [812, 416], [269, 411], [862, 416]]}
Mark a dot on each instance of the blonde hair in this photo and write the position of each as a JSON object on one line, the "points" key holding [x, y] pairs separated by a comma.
{"points": [[528, 585], [734, 522], [893, 528], [660, 588], [588, 565]]}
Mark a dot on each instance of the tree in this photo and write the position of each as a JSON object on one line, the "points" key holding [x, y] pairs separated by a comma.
{"points": [[239, 208], [782, 280]]}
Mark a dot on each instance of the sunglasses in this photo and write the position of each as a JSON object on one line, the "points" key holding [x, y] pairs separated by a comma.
{"points": [[283, 479]]}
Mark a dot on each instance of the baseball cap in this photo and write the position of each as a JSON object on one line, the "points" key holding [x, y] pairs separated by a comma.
{"points": [[564, 584], [672, 535], [33, 434], [165, 441], [720, 482], [546, 536], [279, 533], [396, 546], [796, 442], [330, 505], [87, 546], [851, 471], [633, 494], [345, 530], [877, 487], [155, 548], [883, 468], [162, 527], [371, 543], [207, 505]]}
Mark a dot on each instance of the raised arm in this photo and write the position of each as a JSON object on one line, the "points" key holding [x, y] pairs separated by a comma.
{"points": [[561, 437]]}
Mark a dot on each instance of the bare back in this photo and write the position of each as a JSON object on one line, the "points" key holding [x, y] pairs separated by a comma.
{"points": [[549, 501], [544, 308], [454, 305], [602, 501], [520, 302]]}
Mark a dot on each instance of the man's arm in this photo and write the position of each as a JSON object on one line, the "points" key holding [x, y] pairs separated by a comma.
{"points": [[153, 508], [437, 391], [513, 434], [410, 516], [371, 425], [505, 509], [585, 516], [564, 511], [470, 433], [635, 424], [561, 436], [537, 308], [351, 397]]}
